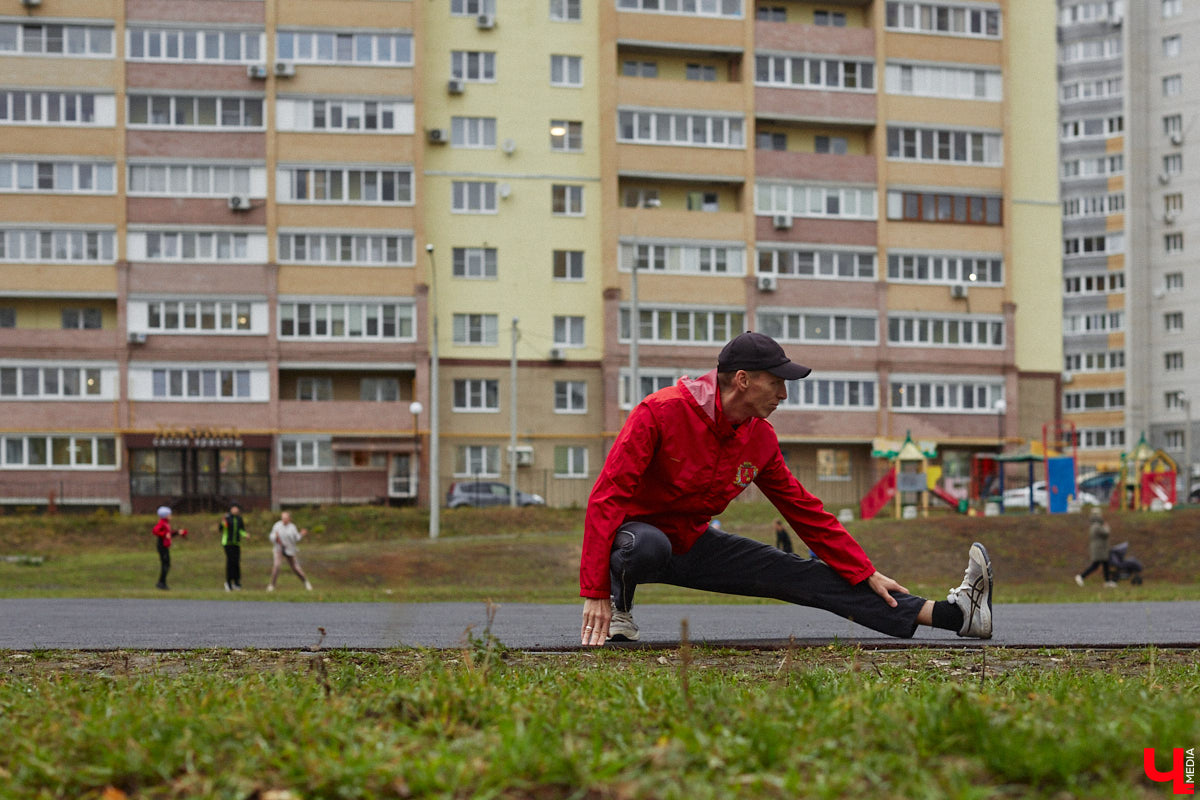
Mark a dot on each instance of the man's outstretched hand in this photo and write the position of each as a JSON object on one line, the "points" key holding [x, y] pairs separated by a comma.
{"points": [[883, 586], [597, 613]]}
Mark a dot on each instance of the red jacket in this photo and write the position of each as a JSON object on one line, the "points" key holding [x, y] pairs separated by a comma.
{"points": [[678, 462], [162, 529]]}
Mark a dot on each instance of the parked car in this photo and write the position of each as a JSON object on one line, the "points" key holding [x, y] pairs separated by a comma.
{"points": [[1019, 498], [487, 493], [1100, 484]]}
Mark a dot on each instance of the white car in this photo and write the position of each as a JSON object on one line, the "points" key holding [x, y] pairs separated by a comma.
{"points": [[1019, 498]]}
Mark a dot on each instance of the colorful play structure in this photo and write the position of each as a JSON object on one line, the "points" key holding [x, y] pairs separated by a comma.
{"points": [[1146, 482]]}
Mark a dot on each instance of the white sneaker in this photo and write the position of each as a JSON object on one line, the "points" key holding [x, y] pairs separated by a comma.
{"points": [[308, 586], [1079, 580], [228, 588], [622, 628], [974, 594], [270, 587]]}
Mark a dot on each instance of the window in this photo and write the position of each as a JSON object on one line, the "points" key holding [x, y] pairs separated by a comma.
{"points": [[695, 8], [1091, 89], [476, 395], [55, 382], [819, 327], [1172, 123], [807, 262], [1172, 85], [1174, 440], [686, 128], [312, 389], [73, 41], [1103, 283], [472, 8], [1103, 361], [830, 144], [797, 72], [1093, 401], [186, 111], [570, 397], [379, 390], [190, 246], [1173, 164], [677, 325], [1101, 438], [1173, 361], [197, 316], [570, 462], [800, 200], [476, 329], [1101, 322], [703, 201], [632, 68], [1173, 321], [566, 70], [950, 146], [477, 461], [473, 197], [357, 249], [1093, 245], [566, 10], [474, 262], [568, 331], [935, 17], [649, 382], [836, 19], [771, 13], [954, 396], [345, 185], [845, 393], [56, 177], [195, 180], [639, 197], [1173, 281], [567, 265], [1090, 50], [700, 72], [305, 453], [1091, 167], [473, 66], [945, 269], [58, 452], [213, 45], [1171, 8], [566, 200], [1093, 205], [1173, 243], [8, 317], [200, 384], [474, 132], [81, 319], [390, 321], [953, 208], [960, 83], [63, 246], [684, 259], [566, 136], [57, 108], [344, 116], [975, 332], [357, 49], [1172, 46], [833, 464], [1173, 400], [764, 140]]}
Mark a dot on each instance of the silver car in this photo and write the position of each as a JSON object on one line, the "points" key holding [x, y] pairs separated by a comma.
{"points": [[487, 493]]}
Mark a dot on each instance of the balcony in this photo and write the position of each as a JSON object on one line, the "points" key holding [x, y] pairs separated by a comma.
{"points": [[346, 416], [814, 39], [697, 95], [814, 166], [678, 224], [694, 32], [844, 108], [727, 165]]}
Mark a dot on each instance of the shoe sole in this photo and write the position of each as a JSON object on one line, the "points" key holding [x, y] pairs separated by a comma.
{"points": [[987, 570], [624, 637]]}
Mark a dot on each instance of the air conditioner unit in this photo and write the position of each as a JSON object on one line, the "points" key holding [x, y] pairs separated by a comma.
{"points": [[1067, 377], [504, 190], [509, 146], [523, 454], [438, 135], [284, 69], [485, 22], [31, 3], [137, 337], [557, 354], [1177, 138], [256, 71], [1170, 217], [768, 283], [782, 222], [958, 290], [239, 202], [1116, 20], [455, 86], [1164, 178]]}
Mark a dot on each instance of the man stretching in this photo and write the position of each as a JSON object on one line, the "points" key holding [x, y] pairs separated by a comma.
{"points": [[683, 455]]}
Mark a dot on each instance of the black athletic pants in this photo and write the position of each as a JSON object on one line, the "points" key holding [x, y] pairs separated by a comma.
{"points": [[1092, 568], [233, 565], [164, 561], [722, 562]]}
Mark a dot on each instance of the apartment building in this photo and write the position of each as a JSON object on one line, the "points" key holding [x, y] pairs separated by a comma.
{"points": [[232, 231], [1126, 113]]}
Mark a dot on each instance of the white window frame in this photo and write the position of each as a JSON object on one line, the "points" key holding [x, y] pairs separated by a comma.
{"points": [[57, 381], [681, 128], [566, 71], [346, 248], [314, 388], [570, 397], [941, 394], [326, 46], [344, 115], [956, 83], [473, 197], [823, 73], [725, 9], [475, 263], [566, 10], [58, 109], [569, 331], [977, 20], [683, 325], [576, 460], [978, 148], [199, 316], [805, 200], [379, 389], [475, 133], [473, 66], [209, 45], [571, 138], [819, 327], [57, 246], [57, 176], [566, 200], [176, 179], [477, 461], [48, 444], [155, 111], [833, 391], [73, 40], [341, 319], [572, 262], [983, 269], [700, 258], [332, 185], [305, 453], [476, 330], [476, 396], [814, 262], [974, 332]]}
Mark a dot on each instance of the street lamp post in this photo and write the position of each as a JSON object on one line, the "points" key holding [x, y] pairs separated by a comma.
{"points": [[635, 322], [1186, 402], [512, 427], [435, 502], [1001, 407], [415, 408]]}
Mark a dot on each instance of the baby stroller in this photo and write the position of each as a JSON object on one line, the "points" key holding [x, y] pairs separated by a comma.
{"points": [[1122, 566]]}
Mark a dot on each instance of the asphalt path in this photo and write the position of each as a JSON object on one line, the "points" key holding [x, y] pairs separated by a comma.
{"points": [[166, 624]]}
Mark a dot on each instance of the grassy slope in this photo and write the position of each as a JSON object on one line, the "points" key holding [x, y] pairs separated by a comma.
{"points": [[365, 553]]}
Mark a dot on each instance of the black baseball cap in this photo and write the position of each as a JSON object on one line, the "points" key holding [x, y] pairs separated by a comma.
{"points": [[756, 351]]}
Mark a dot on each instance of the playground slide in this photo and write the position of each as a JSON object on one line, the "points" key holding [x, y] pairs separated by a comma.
{"points": [[878, 497], [948, 499]]}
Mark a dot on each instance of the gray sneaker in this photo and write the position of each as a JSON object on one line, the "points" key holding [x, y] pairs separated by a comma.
{"points": [[974, 594], [622, 628]]}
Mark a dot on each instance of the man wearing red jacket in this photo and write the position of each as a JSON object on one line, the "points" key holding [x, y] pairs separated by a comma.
{"points": [[684, 454]]}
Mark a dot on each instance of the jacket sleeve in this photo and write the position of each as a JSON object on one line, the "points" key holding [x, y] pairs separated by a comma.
{"points": [[609, 503], [819, 529]]}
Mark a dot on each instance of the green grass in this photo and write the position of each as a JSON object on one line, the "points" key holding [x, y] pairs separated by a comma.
{"points": [[690, 723]]}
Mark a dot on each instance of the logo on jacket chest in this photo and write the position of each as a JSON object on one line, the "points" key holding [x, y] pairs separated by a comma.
{"points": [[745, 474]]}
